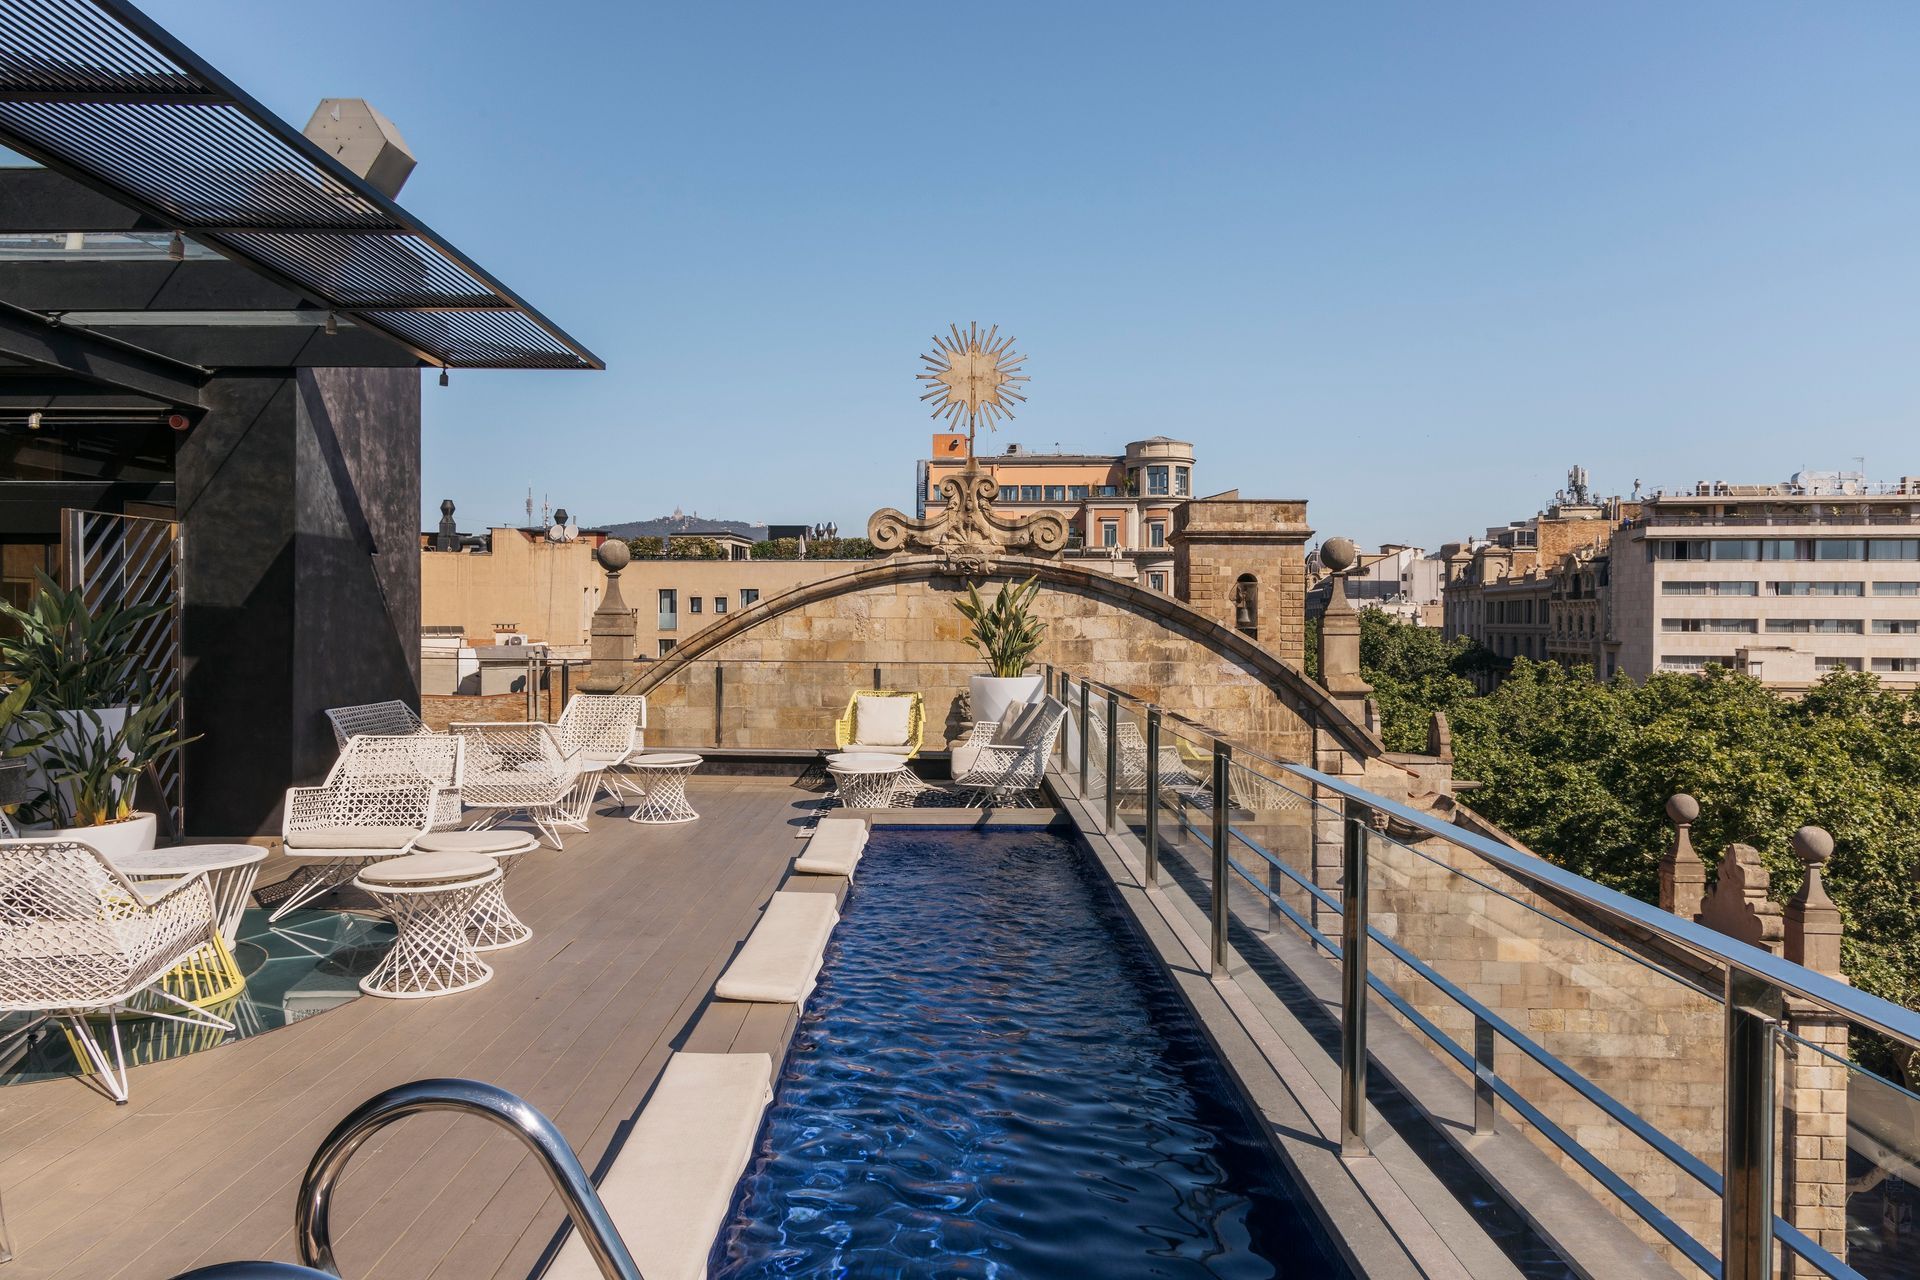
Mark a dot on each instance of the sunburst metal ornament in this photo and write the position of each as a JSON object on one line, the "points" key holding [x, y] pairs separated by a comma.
{"points": [[972, 377]]}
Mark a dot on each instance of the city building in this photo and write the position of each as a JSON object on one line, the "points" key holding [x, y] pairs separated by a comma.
{"points": [[674, 599], [538, 585], [1404, 582], [1513, 590], [1785, 581], [1119, 507]]}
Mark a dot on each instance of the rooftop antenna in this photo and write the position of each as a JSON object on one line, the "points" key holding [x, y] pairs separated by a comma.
{"points": [[529, 506]]}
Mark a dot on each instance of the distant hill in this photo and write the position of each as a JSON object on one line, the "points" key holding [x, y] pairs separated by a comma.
{"points": [[678, 524]]}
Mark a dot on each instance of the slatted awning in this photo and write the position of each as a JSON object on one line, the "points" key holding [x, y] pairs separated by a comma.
{"points": [[97, 90]]}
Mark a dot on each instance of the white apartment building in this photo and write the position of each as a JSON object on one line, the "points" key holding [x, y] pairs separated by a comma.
{"points": [[1785, 582]]}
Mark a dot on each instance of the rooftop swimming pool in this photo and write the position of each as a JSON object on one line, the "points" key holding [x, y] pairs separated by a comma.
{"points": [[995, 1079]]}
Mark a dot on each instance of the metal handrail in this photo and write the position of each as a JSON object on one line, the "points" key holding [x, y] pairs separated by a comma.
{"points": [[470, 1097], [1882, 1015]]}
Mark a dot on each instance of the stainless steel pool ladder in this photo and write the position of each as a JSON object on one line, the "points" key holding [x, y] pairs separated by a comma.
{"points": [[469, 1097]]}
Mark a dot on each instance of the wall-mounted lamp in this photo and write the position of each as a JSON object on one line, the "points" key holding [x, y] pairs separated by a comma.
{"points": [[177, 247], [35, 421], [443, 375], [333, 324]]}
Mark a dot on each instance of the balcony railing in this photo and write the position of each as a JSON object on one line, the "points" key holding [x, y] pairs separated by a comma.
{"points": [[1645, 1053]]}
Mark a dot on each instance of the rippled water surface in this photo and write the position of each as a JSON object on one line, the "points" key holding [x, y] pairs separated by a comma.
{"points": [[993, 1080]]}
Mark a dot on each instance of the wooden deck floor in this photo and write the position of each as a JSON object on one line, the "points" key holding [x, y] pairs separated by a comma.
{"points": [[632, 925]]}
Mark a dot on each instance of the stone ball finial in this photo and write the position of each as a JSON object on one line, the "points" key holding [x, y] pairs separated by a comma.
{"points": [[1683, 808], [1813, 845], [613, 555], [1338, 554]]}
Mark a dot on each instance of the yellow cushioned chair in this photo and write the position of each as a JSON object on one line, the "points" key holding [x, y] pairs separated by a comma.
{"points": [[846, 732]]}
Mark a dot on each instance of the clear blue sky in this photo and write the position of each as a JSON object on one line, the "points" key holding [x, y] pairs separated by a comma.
{"points": [[1407, 261]]}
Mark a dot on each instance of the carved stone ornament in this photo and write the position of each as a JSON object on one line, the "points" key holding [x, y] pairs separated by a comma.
{"points": [[967, 533]]}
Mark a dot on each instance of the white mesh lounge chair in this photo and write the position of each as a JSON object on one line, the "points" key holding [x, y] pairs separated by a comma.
{"points": [[603, 731], [389, 719], [520, 768], [436, 757], [1002, 774], [78, 938], [352, 819]]}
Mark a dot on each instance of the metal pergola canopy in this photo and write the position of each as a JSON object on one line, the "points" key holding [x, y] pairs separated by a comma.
{"points": [[96, 90]]}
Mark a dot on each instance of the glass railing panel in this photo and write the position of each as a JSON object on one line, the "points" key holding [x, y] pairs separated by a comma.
{"points": [[1094, 788], [1185, 828], [1130, 794], [1850, 1152], [1617, 1048]]}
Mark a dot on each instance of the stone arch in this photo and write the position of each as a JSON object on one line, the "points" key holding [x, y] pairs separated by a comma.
{"points": [[771, 675]]}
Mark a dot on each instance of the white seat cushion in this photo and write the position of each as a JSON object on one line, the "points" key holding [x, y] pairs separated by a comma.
{"points": [[352, 838], [672, 1183], [784, 952], [428, 868], [882, 721], [490, 842]]}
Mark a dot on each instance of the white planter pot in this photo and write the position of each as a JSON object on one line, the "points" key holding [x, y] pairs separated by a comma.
{"points": [[115, 840], [990, 696]]}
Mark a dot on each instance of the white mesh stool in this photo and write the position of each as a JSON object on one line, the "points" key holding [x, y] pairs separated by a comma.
{"points": [[492, 926], [430, 897], [664, 776], [866, 780]]}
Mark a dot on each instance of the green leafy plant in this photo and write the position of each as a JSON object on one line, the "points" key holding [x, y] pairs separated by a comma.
{"points": [[95, 771], [1005, 632], [73, 658]]}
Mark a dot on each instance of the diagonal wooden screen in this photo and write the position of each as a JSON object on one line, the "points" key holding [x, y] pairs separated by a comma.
{"points": [[129, 561]]}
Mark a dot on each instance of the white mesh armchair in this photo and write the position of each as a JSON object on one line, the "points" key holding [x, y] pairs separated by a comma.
{"points": [[520, 768], [603, 731], [350, 820], [436, 757], [1131, 756], [1004, 763], [387, 719], [77, 938]]}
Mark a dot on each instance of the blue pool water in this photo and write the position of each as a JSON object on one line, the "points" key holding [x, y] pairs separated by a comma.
{"points": [[994, 1079]]}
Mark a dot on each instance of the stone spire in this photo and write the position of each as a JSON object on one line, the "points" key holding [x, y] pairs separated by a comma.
{"points": [[1683, 877], [1813, 921], [1340, 633], [613, 624]]}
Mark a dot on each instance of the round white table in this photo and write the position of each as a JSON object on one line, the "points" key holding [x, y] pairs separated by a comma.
{"points": [[430, 897], [865, 779], [231, 870], [663, 775], [493, 926]]}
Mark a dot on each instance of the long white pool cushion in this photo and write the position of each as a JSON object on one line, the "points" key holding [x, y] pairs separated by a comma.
{"points": [[670, 1187], [784, 952], [833, 833], [833, 850]]}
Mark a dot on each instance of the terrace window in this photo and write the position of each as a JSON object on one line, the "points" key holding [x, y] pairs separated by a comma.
{"points": [[1896, 626], [1009, 493], [1896, 588], [1742, 626], [1710, 588], [1157, 581], [748, 597], [1106, 491], [666, 646], [1157, 534], [1842, 549], [1029, 493], [1893, 549], [1836, 664], [719, 604], [1816, 626], [1056, 493], [1816, 588], [1157, 481], [1897, 664], [1109, 533], [669, 609], [693, 604], [1183, 481], [1076, 493]]}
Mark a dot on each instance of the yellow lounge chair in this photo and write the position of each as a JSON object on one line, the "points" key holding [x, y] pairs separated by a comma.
{"points": [[846, 730]]}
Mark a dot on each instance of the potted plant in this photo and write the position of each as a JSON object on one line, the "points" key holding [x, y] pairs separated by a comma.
{"points": [[1006, 633], [94, 771], [22, 737], [86, 672]]}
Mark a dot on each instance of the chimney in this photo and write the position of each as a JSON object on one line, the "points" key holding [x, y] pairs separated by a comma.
{"points": [[359, 137]]}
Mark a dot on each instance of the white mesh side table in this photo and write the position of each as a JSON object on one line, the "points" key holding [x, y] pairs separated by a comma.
{"points": [[430, 897], [664, 776], [866, 780], [231, 871], [492, 926]]}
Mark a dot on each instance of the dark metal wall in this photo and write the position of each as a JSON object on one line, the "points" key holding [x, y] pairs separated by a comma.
{"points": [[298, 496]]}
